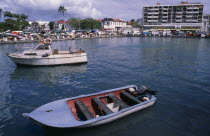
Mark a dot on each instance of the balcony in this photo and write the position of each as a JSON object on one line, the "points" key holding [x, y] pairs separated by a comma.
{"points": [[152, 16], [152, 20], [193, 20], [165, 8], [153, 13], [164, 16], [188, 16], [153, 9], [188, 12], [179, 12], [178, 20], [192, 7], [178, 16]]}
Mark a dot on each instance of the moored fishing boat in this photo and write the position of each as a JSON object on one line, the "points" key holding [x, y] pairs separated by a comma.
{"points": [[44, 55], [93, 109]]}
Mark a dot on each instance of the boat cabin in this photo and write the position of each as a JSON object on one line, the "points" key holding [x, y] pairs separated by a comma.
{"points": [[43, 47], [40, 49]]}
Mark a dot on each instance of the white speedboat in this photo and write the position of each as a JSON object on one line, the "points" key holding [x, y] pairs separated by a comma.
{"points": [[44, 55], [93, 109]]}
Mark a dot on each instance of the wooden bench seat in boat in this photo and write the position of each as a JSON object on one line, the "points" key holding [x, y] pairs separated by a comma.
{"points": [[102, 105], [130, 97], [84, 109], [118, 101]]}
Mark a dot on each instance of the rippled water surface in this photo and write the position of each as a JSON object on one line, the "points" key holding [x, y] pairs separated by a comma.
{"points": [[178, 68]]}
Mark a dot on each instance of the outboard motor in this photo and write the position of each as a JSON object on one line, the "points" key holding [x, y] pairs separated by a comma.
{"points": [[144, 90]]}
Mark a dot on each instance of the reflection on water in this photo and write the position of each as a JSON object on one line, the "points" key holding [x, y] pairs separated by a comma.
{"points": [[51, 75]]}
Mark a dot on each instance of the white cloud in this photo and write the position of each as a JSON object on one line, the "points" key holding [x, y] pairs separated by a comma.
{"points": [[48, 9]]}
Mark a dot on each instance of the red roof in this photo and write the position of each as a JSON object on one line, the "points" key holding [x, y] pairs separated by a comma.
{"points": [[112, 19], [100, 20], [62, 22], [118, 20]]}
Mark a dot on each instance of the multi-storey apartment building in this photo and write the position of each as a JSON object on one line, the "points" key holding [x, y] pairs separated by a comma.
{"points": [[113, 24], [187, 16]]}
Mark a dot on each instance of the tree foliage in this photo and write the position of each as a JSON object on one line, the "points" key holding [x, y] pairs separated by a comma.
{"points": [[62, 10], [134, 23], [132, 20], [75, 23], [14, 22], [51, 25], [74, 19], [84, 24]]}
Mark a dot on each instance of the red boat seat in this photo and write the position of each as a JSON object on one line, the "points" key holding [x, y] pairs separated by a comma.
{"points": [[102, 105], [130, 97], [84, 109], [118, 101]]}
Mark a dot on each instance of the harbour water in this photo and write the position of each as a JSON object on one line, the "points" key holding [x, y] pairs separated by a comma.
{"points": [[178, 68]]}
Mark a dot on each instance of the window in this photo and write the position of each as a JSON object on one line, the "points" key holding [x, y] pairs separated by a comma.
{"points": [[42, 47]]}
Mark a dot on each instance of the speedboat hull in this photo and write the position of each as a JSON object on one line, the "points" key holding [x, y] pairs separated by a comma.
{"points": [[61, 114], [50, 60]]}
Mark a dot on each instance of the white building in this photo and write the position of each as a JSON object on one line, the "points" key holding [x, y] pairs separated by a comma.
{"points": [[185, 16], [38, 26], [44, 25], [205, 27], [114, 25], [59, 25]]}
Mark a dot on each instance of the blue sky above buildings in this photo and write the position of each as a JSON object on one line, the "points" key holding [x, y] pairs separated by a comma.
{"points": [[121, 9]]}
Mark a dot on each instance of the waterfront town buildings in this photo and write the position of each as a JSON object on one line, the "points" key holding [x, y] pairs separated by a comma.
{"points": [[184, 16], [187, 17], [114, 25]]}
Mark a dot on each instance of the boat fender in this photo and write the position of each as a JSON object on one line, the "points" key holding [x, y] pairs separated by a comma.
{"points": [[131, 89], [45, 55], [145, 98]]}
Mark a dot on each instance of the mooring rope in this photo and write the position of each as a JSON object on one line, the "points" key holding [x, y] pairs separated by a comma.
{"points": [[17, 105]]}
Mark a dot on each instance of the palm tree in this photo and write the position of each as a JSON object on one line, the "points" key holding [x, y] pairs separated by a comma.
{"points": [[24, 17], [8, 14], [62, 10]]}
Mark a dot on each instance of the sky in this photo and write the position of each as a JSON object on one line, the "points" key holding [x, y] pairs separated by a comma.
{"points": [[47, 10]]}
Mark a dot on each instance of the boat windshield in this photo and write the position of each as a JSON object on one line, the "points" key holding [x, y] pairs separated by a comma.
{"points": [[42, 47]]}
